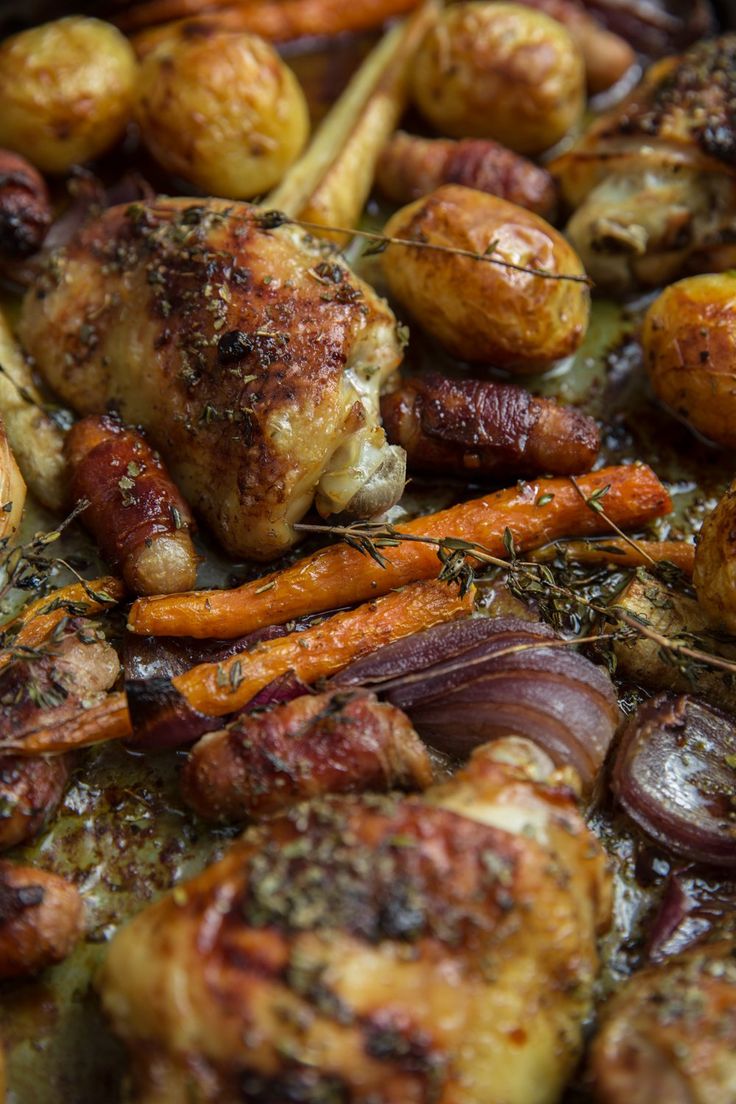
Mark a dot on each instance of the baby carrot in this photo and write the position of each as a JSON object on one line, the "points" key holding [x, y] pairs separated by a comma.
{"points": [[535, 513]]}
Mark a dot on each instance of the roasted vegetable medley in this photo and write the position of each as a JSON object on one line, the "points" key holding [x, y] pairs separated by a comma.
{"points": [[367, 552]]}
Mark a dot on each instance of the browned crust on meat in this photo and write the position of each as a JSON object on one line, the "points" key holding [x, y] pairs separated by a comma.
{"points": [[343, 741]]}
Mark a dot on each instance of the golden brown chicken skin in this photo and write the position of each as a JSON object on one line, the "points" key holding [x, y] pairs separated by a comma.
{"points": [[653, 182], [669, 1034], [251, 357], [382, 949]]}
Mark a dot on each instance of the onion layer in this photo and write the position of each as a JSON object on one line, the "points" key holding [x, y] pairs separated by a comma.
{"points": [[656, 27], [675, 775], [480, 679]]}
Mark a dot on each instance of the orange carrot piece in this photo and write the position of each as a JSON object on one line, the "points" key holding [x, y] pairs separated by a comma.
{"points": [[38, 620], [109, 720], [221, 688], [535, 512], [94, 595], [680, 553], [278, 20], [325, 649]]}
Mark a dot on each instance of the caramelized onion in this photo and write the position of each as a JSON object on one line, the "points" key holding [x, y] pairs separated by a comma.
{"points": [[480, 679], [692, 909], [675, 776]]}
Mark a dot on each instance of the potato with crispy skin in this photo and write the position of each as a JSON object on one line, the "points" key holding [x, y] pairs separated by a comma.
{"points": [[222, 110], [669, 1033], [67, 91], [714, 574], [689, 341], [478, 309], [500, 71]]}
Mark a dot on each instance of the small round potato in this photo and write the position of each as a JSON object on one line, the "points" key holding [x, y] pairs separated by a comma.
{"points": [[689, 343], [714, 574], [477, 309], [502, 71], [222, 110], [66, 90]]}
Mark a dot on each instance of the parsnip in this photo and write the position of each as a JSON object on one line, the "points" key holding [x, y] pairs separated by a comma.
{"points": [[12, 489], [36, 441], [329, 185], [682, 620]]}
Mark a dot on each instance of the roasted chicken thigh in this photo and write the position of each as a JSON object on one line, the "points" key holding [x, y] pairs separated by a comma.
{"points": [[653, 182], [253, 358], [383, 949]]}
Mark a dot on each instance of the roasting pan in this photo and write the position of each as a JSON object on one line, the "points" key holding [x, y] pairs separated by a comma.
{"points": [[122, 834]]}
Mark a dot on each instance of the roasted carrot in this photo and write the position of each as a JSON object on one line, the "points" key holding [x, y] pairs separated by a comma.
{"points": [[640, 554], [278, 20], [221, 688], [535, 513], [38, 620], [90, 596], [323, 650]]}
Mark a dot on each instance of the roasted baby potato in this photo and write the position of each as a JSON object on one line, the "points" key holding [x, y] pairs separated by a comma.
{"points": [[689, 343], [477, 309], [222, 110], [714, 574], [502, 71], [67, 91]]}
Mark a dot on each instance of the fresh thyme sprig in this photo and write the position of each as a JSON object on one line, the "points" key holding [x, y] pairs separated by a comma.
{"points": [[526, 580], [27, 566], [271, 220]]}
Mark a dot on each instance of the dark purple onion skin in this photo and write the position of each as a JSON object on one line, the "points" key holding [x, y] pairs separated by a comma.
{"points": [[673, 777], [146, 657], [656, 27], [440, 644], [691, 909], [497, 685]]}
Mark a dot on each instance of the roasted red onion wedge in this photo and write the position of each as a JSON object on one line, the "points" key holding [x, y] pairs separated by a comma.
{"points": [[471, 681], [656, 27], [692, 910], [675, 775]]}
